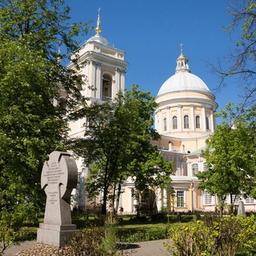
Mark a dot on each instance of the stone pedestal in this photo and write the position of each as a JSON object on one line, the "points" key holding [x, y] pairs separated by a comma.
{"points": [[57, 235]]}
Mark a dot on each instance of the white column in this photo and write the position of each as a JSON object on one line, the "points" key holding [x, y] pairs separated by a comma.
{"points": [[98, 92], [91, 79], [204, 119], [164, 198], [179, 118], [192, 118], [212, 122], [122, 84], [116, 87]]}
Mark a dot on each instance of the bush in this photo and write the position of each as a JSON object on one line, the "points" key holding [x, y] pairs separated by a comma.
{"points": [[94, 241], [145, 233], [87, 242], [223, 236]]}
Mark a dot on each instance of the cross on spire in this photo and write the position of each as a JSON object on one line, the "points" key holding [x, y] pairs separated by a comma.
{"points": [[98, 27], [181, 48]]}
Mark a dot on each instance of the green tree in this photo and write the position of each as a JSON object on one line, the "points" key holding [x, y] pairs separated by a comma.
{"points": [[231, 158], [117, 144], [36, 94]]}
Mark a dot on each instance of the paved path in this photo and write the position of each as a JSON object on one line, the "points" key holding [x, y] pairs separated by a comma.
{"points": [[14, 249], [150, 248]]}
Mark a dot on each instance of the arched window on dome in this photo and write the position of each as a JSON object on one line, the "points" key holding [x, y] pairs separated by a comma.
{"points": [[165, 124], [174, 122], [197, 122], [186, 122], [207, 123], [106, 87]]}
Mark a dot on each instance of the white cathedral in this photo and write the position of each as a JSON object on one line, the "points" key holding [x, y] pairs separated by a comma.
{"points": [[184, 118]]}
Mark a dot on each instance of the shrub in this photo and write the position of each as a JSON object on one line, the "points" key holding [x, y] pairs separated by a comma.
{"points": [[108, 245], [145, 233], [223, 236], [87, 242], [94, 241]]}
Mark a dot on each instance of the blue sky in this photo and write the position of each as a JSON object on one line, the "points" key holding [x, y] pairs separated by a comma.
{"points": [[151, 31]]}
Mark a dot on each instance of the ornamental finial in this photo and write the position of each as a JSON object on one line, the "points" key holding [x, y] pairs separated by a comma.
{"points": [[98, 27]]}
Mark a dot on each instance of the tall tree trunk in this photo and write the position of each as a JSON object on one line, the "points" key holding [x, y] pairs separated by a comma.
{"points": [[231, 205], [221, 204], [105, 190], [118, 196], [113, 199], [104, 203]]}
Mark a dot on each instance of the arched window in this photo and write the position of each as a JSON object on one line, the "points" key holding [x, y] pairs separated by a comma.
{"points": [[165, 124], [197, 121], [174, 122], [194, 169], [186, 122], [207, 123], [106, 87]]}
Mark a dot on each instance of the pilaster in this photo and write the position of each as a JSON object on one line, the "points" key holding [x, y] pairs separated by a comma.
{"points": [[203, 119]]}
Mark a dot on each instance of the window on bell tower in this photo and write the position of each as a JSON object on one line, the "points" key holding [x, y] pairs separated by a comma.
{"points": [[106, 87]]}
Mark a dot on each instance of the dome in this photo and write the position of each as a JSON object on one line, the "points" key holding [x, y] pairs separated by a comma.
{"points": [[183, 79], [99, 39]]}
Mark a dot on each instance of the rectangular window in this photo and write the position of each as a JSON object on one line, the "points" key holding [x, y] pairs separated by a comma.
{"points": [[180, 199], [207, 198]]}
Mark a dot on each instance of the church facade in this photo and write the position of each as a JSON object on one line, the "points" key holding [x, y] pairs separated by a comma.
{"points": [[184, 118]]}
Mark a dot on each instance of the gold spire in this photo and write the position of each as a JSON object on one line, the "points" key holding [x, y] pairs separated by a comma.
{"points": [[98, 28]]}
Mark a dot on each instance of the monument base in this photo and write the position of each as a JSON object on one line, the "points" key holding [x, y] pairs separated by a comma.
{"points": [[57, 235]]}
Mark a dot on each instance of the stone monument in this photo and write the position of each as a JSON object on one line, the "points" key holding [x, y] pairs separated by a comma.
{"points": [[58, 178]]}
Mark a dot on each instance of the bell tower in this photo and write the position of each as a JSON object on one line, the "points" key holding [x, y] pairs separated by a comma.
{"points": [[102, 66]]}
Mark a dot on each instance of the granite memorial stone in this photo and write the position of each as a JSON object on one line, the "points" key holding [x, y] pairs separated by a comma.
{"points": [[58, 178]]}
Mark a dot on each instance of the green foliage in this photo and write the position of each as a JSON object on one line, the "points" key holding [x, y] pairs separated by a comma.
{"points": [[36, 93], [117, 144], [224, 236], [108, 246], [231, 158], [140, 233], [87, 241], [95, 241], [11, 224], [41, 25]]}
